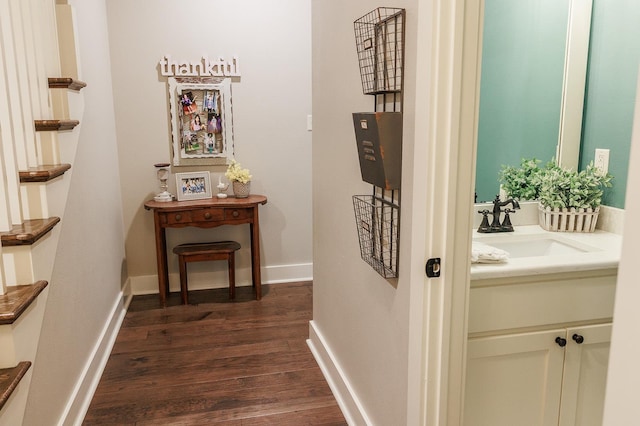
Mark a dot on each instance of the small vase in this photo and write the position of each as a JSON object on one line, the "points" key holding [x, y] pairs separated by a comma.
{"points": [[241, 190]]}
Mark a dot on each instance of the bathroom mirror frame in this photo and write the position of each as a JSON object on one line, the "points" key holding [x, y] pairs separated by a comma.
{"points": [[567, 150], [574, 84]]}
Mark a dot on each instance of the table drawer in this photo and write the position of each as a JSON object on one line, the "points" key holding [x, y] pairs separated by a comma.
{"points": [[206, 215], [177, 217], [238, 214]]}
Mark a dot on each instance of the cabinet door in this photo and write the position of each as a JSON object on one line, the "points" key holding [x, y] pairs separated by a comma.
{"points": [[514, 379], [585, 375]]}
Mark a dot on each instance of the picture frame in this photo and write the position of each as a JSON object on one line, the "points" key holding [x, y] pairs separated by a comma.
{"points": [[201, 121], [193, 185]]}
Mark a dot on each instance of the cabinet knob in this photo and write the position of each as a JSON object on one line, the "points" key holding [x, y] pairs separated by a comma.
{"points": [[561, 342], [578, 338], [207, 215], [178, 217], [235, 213]]}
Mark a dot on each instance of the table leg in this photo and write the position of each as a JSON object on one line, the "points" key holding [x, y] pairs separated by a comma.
{"points": [[255, 254], [161, 255]]}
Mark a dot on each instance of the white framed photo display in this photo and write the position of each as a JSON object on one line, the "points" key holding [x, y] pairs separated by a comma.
{"points": [[201, 120]]}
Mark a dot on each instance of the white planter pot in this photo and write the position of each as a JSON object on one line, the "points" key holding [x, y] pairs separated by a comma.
{"points": [[568, 220], [241, 190]]}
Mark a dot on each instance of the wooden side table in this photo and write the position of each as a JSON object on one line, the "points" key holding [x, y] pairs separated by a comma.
{"points": [[206, 213]]}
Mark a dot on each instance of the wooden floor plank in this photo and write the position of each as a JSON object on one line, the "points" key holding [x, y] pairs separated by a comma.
{"points": [[216, 362]]}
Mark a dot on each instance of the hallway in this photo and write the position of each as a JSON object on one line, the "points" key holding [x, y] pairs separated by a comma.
{"points": [[216, 362]]}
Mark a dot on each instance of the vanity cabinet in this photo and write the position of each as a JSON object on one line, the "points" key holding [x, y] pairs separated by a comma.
{"points": [[585, 375], [538, 349]]}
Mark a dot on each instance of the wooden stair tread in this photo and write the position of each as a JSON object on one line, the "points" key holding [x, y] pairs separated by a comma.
{"points": [[55, 125], [43, 173], [9, 379], [66, 83], [29, 232], [17, 299]]}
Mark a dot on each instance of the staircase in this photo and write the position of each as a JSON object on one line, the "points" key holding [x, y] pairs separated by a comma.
{"points": [[40, 108]]}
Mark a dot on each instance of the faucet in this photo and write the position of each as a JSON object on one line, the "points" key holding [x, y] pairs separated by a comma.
{"points": [[496, 225]]}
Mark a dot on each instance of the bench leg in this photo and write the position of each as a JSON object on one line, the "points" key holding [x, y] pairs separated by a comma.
{"points": [[232, 276], [183, 280]]}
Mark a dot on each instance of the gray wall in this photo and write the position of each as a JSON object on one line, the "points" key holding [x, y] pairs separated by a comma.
{"points": [[363, 317], [90, 269], [271, 101]]}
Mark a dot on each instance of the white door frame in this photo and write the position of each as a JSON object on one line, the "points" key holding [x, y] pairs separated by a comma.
{"points": [[624, 370], [448, 61], [448, 70]]}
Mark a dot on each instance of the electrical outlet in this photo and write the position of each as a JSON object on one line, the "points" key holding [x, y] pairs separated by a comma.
{"points": [[602, 160]]}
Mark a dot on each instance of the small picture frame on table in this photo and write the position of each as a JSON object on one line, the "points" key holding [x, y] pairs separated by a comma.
{"points": [[193, 186]]}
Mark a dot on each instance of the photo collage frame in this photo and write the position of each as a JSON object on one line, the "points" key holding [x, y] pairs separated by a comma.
{"points": [[201, 121]]}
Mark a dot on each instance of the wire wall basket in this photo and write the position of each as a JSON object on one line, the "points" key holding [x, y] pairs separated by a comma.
{"points": [[380, 44], [377, 220]]}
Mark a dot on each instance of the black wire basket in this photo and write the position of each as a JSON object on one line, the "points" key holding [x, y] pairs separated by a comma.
{"points": [[380, 45], [378, 222]]}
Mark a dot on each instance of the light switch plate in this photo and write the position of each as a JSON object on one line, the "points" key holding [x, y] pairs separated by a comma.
{"points": [[602, 160]]}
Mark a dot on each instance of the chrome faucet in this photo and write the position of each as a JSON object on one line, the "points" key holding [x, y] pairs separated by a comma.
{"points": [[496, 225]]}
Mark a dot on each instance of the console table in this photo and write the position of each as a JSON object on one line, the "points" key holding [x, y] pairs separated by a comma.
{"points": [[205, 213]]}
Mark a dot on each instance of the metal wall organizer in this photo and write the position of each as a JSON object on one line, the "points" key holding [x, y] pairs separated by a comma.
{"points": [[380, 46], [377, 221], [379, 141]]}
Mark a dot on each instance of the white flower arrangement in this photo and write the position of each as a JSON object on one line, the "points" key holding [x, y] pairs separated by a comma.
{"points": [[235, 172]]}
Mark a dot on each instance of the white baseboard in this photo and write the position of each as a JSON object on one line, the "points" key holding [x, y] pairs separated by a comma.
{"points": [[342, 390], [87, 384], [287, 273], [148, 284]]}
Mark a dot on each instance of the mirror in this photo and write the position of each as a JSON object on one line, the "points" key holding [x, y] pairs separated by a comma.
{"points": [[534, 60]]}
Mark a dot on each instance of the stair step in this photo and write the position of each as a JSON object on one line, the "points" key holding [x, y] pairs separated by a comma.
{"points": [[55, 125], [29, 232], [66, 83], [9, 379], [43, 173], [17, 299]]}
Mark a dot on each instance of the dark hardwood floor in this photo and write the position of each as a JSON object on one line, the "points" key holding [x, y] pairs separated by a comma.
{"points": [[216, 362]]}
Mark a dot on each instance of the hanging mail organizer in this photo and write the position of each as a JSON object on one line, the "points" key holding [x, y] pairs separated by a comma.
{"points": [[380, 46]]}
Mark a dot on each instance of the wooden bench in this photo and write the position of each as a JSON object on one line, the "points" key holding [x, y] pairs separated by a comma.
{"points": [[201, 252]]}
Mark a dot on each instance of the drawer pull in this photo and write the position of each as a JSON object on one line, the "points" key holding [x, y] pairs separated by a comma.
{"points": [[578, 338], [178, 217], [207, 215], [561, 342], [235, 213]]}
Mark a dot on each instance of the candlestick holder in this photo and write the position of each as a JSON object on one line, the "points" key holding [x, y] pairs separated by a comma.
{"points": [[163, 174], [222, 188]]}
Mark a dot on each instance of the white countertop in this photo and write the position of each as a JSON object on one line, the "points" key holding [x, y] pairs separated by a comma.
{"points": [[602, 252]]}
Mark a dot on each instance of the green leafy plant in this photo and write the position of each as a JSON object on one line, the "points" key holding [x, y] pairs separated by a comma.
{"points": [[235, 172], [522, 183], [562, 188]]}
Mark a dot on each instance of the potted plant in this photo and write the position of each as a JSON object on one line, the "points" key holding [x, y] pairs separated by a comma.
{"points": [[240, 179], [521, 183], [569, 200]]}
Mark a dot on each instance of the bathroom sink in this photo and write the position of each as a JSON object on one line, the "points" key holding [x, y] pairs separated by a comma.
{"points": [[536, 245]]}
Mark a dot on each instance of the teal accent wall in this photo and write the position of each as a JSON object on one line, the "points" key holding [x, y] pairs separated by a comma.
{"points": [[614, 57], [523, 54]]}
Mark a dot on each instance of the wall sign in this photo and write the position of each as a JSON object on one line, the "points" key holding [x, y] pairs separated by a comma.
{"points": [[205, 67]]}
